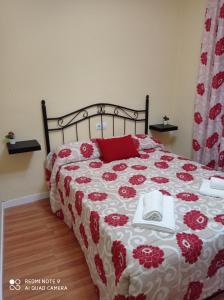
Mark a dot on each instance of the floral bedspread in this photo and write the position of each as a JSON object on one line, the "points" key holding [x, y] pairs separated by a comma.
{"points": [[130, 263]]}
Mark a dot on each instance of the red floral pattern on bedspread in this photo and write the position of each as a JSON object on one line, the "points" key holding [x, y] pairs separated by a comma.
{"points": [[119, 259], [149, 256], [100, 200]]}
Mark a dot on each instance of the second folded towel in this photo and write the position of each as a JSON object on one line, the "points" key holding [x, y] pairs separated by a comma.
{"points": [[217, 183], [206, 189], [153, 206]]}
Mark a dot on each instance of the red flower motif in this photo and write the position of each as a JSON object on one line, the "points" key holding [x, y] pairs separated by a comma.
{"points": [[219, 48], [137, 179], [212, 140], [120, 167], [78, 201], [141, 136], [222, 12], [198, 118], [161, 165], [215, 111], [57, 178], [100, 269], [86, 150], [167, 157], [109, 176], [184, 176], [64, 153], [211, 164], [189, 167], [195, 220], [160, 179], [204, 58], [54, 157], [219, 219], [139, 167], [190, 246], [95, 164], [67, 181], [187, 197], [83, 179], [71, 211], [216, 264], [119, 259], [94, 226], [136, 143], [47, 174], [59, 214], [61, 196], [71, 168], [127, 192], [144, 156], [208, 23], [83, 235], [97, 196], [206, 168], [221, 159], [149, 150], [194, 290], [201, 89], [116, 219], [196, 145], [222, 120], [218, 80], [149, 256], [165, 192]]}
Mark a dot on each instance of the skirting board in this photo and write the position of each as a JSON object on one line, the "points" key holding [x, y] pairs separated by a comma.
{"points": [[24, 200]]}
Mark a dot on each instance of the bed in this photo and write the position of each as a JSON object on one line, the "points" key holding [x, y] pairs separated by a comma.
{"points": [[98, 200]]}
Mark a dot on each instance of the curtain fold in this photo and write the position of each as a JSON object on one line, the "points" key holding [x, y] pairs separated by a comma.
{"points": [[208, 134]]}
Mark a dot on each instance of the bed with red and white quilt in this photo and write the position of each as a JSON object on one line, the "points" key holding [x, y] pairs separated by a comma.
{"points": [[98, 200]]}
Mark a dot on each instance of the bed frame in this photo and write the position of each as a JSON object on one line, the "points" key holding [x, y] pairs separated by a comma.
{"points": [[89, 112]]}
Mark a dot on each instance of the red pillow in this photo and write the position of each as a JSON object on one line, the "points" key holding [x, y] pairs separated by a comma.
{"points": [[117, 148]]}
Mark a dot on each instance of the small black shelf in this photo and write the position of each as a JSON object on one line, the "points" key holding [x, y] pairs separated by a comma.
{"points": [[23, 146], [163, 128]]}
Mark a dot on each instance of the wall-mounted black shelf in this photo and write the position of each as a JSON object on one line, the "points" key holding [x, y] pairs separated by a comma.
{"points": [[163, 128], [23, 146]]}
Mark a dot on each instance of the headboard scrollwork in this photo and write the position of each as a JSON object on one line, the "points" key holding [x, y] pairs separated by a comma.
{"points": [[89, 112]]}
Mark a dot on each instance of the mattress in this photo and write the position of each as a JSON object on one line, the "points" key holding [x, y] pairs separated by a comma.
{"points": [[131, 263]]}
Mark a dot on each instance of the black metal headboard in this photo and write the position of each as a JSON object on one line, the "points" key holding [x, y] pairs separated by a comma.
{"points": [[91, 111]]}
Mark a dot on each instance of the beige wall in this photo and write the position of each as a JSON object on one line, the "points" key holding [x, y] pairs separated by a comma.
{"points": [[79, 52]]}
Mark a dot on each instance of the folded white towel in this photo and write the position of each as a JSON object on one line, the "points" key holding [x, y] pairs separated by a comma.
{"points": [[153, 206], [205, 189], [217, 183], [168, 221]]}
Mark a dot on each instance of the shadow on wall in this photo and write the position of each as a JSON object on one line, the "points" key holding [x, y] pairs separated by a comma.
{"points": [[167, 139], [14, 162]]}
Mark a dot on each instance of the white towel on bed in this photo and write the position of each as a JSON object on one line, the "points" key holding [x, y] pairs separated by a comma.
{"points": [[168, 221], [153, 206], [205, 189], [217, 183]]}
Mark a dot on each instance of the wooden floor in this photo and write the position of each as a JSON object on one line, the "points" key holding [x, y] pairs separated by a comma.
{"points": [[37, 246]]}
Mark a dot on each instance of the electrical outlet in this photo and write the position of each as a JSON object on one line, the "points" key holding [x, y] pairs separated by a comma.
{"points": [[99, 127]]}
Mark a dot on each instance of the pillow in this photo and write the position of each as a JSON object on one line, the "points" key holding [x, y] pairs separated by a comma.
{"points": [[117, 148], [143, 141]]}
